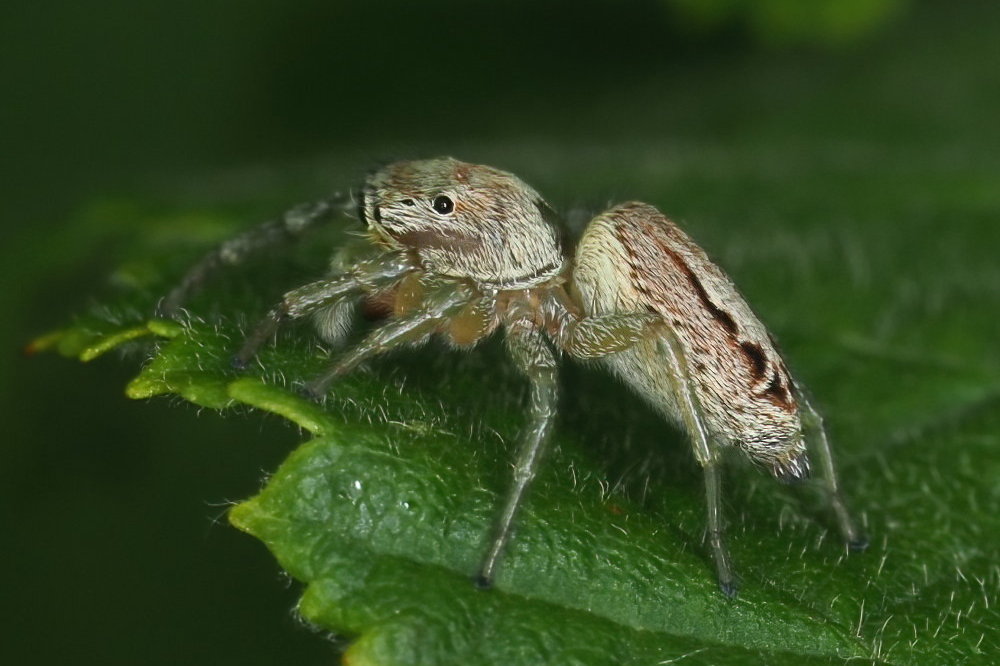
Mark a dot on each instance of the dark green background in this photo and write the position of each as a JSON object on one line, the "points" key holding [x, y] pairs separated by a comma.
{"points": [[113, 547]]}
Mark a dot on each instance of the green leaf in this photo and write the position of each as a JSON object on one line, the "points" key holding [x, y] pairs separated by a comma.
{"points": [[386, 508]]}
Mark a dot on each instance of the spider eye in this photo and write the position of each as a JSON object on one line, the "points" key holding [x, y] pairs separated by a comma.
{"points": [[407, 202], [443, 205]]}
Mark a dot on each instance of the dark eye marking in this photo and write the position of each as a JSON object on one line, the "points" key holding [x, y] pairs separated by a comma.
{"points": [[443, 205], [407, 202]]}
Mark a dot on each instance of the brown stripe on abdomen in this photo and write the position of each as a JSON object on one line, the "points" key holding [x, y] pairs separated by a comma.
{"points": [[778, 394], [755, 356], [718, 313]]}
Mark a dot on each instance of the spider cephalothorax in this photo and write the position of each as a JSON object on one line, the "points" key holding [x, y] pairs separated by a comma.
{"points": [[463, 221], [462, 250]]}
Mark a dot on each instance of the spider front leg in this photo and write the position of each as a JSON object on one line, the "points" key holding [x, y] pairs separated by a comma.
{"points": [[365, 276], [535, 359], [412, 328], [290, 225]]}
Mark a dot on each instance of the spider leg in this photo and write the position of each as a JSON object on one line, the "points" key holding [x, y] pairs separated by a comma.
{"points": [[597, 335], [308, 299], [290, 225], [707, 454], [412, 328], [535, 359], [817, 440]]}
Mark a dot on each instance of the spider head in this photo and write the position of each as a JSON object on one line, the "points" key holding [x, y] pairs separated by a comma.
{"points": [[463, 221]]}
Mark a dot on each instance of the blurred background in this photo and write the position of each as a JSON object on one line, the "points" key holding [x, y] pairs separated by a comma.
{"points": [[114, 546], [99, 97]]}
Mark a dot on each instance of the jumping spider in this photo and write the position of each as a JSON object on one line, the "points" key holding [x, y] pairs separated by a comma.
{"points": [[463, 250]]}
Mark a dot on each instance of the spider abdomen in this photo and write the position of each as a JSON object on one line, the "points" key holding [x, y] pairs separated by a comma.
{"points": [[633, 259]]}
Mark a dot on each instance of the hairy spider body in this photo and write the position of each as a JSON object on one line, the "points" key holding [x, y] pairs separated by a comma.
{"points": [[464, 250], [632, 258]]}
